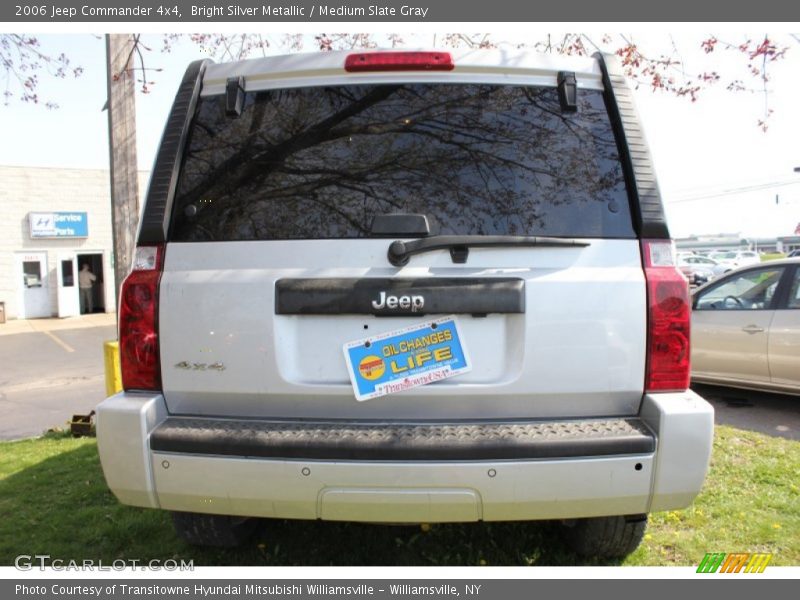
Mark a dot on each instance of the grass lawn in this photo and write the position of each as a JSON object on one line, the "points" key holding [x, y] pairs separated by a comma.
{"points": [[53, 500]]}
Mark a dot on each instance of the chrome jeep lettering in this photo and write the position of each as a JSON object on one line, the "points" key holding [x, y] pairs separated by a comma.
{"points": [[415, 303]]}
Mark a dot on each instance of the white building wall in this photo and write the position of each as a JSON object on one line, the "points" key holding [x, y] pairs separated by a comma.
{"points": [[42, 189]]}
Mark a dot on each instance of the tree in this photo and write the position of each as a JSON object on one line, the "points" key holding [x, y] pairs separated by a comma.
{"points": [[23, 62], [656, 64], [661, 69]]}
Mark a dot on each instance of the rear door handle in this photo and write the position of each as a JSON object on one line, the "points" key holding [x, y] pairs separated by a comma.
{"points": [[753, 329]]}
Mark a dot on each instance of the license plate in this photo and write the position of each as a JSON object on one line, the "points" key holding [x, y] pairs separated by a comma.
{"points": [[406, 358]]}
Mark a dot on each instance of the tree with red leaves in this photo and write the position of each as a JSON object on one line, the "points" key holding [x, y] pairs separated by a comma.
{"points": [[22, 60]]}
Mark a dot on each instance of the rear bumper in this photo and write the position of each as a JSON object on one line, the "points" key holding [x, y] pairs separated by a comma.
{"points": [[430, 473], [417, 442]]}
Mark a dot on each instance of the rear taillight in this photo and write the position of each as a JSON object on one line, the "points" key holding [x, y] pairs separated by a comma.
{"points": [[668, 319], [399, 61], [138, 321]]}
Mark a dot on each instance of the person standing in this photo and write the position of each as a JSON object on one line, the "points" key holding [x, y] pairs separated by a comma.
{"points": [[86, 281]]}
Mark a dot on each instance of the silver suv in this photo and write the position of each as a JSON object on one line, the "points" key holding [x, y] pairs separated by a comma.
{"points": [[405, 287]]}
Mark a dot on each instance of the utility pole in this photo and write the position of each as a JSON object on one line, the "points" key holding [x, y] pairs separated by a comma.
{"points": [[122, 151]]}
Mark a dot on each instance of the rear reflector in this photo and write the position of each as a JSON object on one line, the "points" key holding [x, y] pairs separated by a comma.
{"points": [[399, 61], [138, 325], [668, 320]]}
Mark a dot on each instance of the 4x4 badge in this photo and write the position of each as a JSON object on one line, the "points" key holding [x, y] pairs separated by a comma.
{"points": [[217, 366], [415, 303]]}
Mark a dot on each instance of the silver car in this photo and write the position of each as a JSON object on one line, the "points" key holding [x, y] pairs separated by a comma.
{"points": [[699, 269], [746, 328]]}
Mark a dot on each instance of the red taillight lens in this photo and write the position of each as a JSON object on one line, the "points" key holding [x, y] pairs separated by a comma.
{"points": [[668, 320], [399, 61], [138, 321]]}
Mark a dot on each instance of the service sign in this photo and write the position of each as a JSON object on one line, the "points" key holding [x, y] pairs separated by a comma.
{"points": [[59, 224], [406, 358]]}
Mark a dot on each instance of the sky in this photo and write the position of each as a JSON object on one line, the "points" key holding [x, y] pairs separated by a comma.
{"points": [[718, 172]]}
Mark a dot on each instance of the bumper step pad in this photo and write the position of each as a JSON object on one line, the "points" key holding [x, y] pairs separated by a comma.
{"points": [[370, 441]]}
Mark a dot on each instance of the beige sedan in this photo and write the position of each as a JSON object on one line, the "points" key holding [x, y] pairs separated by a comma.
{"points": [[746, 328]]}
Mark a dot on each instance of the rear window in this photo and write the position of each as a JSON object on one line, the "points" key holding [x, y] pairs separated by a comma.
{"points": [[322, 162]]}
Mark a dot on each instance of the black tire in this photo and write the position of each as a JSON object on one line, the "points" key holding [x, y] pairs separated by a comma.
{"points": [[605, 537], [212, 530]]}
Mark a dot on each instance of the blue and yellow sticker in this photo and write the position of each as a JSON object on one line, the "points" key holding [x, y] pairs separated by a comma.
{"points": [[406, 358]]}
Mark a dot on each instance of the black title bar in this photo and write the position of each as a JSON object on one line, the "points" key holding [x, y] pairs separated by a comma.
{"points": [[434, 11]]}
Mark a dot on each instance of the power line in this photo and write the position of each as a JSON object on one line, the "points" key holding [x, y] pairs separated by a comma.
{"points": [[733, 191]]}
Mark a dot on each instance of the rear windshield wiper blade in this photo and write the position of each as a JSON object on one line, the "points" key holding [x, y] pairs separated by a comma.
{"points": [[400, 251]]}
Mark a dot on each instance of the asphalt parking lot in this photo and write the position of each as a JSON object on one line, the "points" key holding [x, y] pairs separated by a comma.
{"points": [[774, 414], [51, 369]]}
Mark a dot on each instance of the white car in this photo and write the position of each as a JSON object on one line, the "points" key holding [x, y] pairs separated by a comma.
{"points": [[734, 259], [395, 287]]}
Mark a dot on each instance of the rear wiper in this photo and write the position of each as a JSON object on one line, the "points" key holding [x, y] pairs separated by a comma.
{"points": [[400, 251]]}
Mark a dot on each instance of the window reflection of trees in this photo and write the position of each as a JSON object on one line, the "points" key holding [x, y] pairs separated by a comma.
{"points": [[477, 159]]}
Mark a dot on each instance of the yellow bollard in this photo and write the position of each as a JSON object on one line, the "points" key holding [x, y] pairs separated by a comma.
{"points": [[113, 375]]}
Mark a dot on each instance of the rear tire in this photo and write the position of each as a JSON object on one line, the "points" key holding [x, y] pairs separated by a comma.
{"points": [[605, 537], [221, 531]]}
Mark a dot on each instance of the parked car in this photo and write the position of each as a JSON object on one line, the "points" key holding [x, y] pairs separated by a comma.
{"points": [[699, 269], [736, 258], [719, 255], [746, 328], [462, 230], [794, 253]]}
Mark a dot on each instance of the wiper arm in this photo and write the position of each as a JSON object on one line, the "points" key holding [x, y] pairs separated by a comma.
{"points": [[400, 251]]}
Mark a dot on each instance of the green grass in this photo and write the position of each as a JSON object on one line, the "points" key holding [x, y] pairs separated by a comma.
{"points": [[53, 500], [773, 256]]}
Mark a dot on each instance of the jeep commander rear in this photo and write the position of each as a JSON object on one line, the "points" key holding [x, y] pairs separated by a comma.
{"points": [[405, 287]]}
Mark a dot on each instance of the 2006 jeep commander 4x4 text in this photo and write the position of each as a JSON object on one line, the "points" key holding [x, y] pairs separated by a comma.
{"points": [[405, 287]]}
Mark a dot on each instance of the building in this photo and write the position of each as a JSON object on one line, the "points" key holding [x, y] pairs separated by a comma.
{"points": [[55, 221], [722, 241], [789, 243], [735, 242]]}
